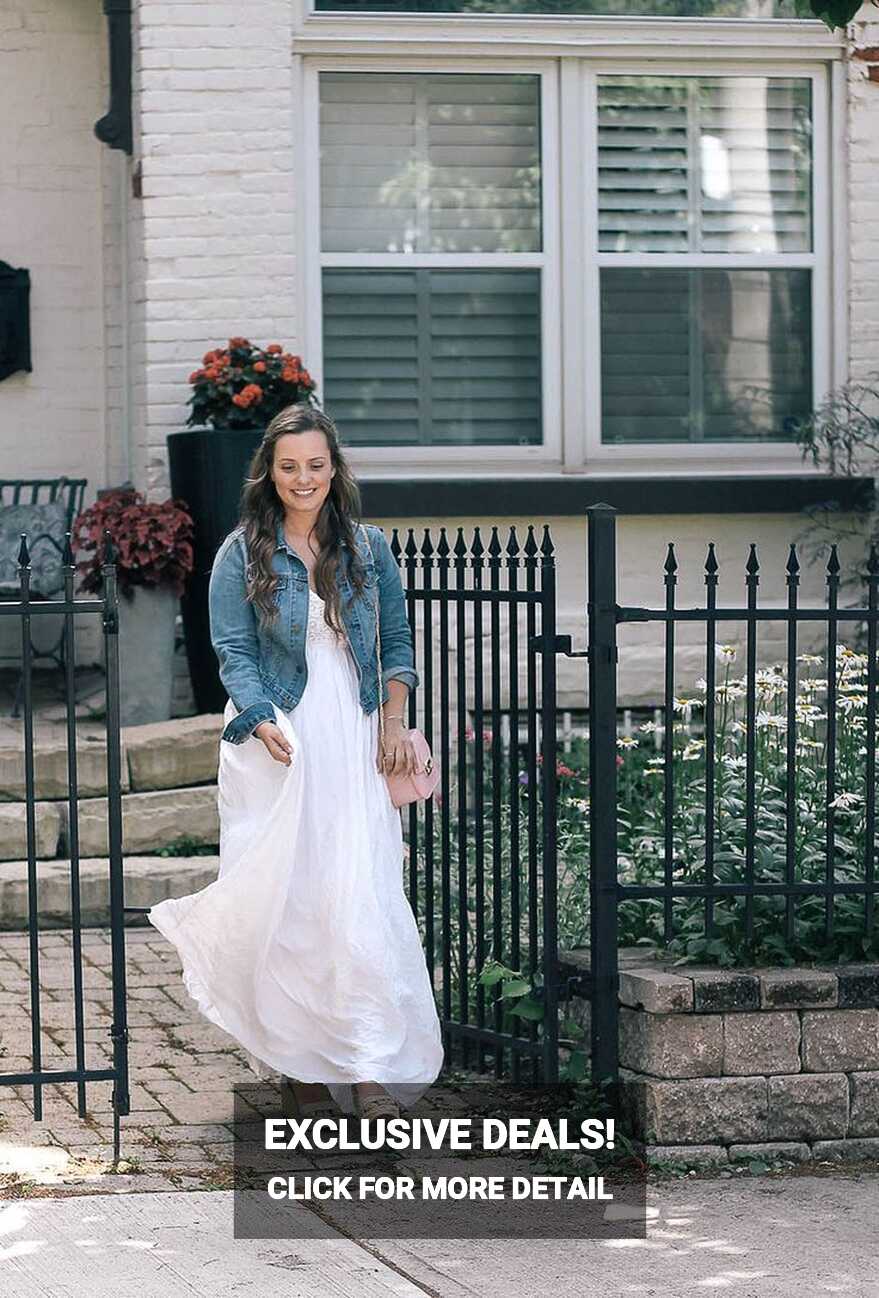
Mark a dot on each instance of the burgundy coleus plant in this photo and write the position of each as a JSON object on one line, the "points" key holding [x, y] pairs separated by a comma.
{"points": [[153, 541]]}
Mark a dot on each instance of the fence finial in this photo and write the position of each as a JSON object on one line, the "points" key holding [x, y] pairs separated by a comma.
{"points": [[546, 548], [793, 563], [24, 557], [442, 545], [427, 544], [711, 564], [110, 551], [671, 563], [752, 567], [477, 548], [833, 564], [67, 557], [530, 542], [513, 544]]}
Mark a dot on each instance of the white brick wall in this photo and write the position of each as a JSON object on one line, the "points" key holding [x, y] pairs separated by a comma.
{"points": [[863, 168], [52, 420], [52, 90], [216, 222]]}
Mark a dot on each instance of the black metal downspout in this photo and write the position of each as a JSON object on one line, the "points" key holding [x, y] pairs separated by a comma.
{"points": [[115, 128]]}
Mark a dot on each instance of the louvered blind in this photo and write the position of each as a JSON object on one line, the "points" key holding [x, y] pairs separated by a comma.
{"points": [[708, 164], [433, 356], [690, 355], [429, 162]]}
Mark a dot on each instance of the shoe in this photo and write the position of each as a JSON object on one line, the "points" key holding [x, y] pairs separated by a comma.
{"points": [[375, 1106], [294, 1106]]}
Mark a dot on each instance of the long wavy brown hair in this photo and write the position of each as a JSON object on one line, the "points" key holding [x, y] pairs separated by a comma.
{"points": [[262, 510]]}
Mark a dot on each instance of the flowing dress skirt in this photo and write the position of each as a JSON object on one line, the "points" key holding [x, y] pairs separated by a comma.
{"points": [[305, 949]]}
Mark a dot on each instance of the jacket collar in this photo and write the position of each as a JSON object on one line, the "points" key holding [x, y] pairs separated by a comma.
{"points": [[281, 540]]}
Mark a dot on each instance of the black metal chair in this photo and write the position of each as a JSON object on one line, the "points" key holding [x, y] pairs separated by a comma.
{"points": [[38, 491]]}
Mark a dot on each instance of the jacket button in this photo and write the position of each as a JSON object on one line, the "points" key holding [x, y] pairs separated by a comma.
{"points": [[295, 626]]}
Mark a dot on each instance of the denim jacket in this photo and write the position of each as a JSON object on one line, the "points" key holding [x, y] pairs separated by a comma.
{"points": [[262, 665]]}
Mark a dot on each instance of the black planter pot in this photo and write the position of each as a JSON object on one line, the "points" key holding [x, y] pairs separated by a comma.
{"points": [[207, 468]]}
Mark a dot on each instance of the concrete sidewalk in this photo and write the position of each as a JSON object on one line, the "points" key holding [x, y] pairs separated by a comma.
{"points": [[161, 1225], [760, 1238]]}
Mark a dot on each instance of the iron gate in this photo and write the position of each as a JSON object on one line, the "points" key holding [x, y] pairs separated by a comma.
{"points": [[483, 855], [24, 608]]}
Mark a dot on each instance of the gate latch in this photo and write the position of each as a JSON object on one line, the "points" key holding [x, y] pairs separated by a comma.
{"points": [[562, 646]]}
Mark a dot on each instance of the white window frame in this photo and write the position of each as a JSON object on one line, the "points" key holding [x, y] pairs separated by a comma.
{"points": [[601, 455], [548, 452], [580, 50]]}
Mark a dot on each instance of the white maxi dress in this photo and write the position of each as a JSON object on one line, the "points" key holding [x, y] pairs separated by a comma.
{"points": [[305, 949]]}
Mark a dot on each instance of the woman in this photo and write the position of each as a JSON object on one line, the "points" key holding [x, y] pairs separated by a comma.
{"points": [[305, 948]]}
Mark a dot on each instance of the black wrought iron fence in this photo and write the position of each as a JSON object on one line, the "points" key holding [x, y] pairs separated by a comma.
{"points": [[762, 839], [482, 863], [74, 611]]}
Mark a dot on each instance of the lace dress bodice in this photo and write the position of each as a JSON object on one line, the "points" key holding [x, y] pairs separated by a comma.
{"points": [[317, 631]]}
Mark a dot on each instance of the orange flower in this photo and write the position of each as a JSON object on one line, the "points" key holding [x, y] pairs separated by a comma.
{"points": [[289, 376], [241, 400], [260, 367], [274, 349], [212, 373], [209, 357], [252, 391], [238, 342], [196, 375]]}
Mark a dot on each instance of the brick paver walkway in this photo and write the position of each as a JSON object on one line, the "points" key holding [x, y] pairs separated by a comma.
{"points": [[178, 1133]]}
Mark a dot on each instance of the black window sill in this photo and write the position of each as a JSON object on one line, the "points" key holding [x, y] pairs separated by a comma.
{"points": [[496, 497]]}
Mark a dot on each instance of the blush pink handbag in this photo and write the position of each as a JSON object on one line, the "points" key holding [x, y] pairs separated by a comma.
{"points": [[402, 787]]}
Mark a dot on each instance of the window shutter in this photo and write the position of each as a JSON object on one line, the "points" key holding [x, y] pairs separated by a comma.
{"points": [[704, 355], [433, 356], [711, 164], [429, 163]]}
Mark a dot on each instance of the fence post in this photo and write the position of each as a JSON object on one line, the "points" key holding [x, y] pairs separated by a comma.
{"points": [[603, 884], [119, 1026]]}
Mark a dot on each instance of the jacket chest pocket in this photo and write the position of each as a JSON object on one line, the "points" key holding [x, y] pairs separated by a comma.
{"points": [[281, 583]]}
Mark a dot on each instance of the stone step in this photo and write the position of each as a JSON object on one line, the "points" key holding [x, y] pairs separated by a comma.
{"points": [[148, 879], [48, 821], [167, 755], [149, 821], [50, 763], [173, 754]]}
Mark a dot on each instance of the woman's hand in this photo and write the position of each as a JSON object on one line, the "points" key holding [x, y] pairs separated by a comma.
{"points": [[399, 751], [273, 738]]}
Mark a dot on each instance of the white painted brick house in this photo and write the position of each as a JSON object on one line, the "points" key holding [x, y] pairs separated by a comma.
{"points": [[360, 186]]}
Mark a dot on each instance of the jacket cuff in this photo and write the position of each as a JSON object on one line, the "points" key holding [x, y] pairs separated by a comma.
{"points": [[407, 674], [243, 725]]}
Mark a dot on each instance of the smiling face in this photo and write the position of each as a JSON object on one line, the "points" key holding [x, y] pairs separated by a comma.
{"points": [[302, 470]]}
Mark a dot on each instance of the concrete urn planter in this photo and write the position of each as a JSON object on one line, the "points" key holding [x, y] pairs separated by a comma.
{"points": [[146, 654]]}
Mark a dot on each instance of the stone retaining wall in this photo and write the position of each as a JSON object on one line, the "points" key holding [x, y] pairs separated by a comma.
{"points": [[718, 1066]]}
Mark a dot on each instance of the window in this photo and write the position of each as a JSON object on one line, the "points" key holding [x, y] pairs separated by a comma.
{"points": [[701, 169], [431, 250], [570, 262]]}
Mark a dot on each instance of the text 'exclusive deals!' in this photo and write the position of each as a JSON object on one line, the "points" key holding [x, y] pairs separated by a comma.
{"points": [[431, 1174]]}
